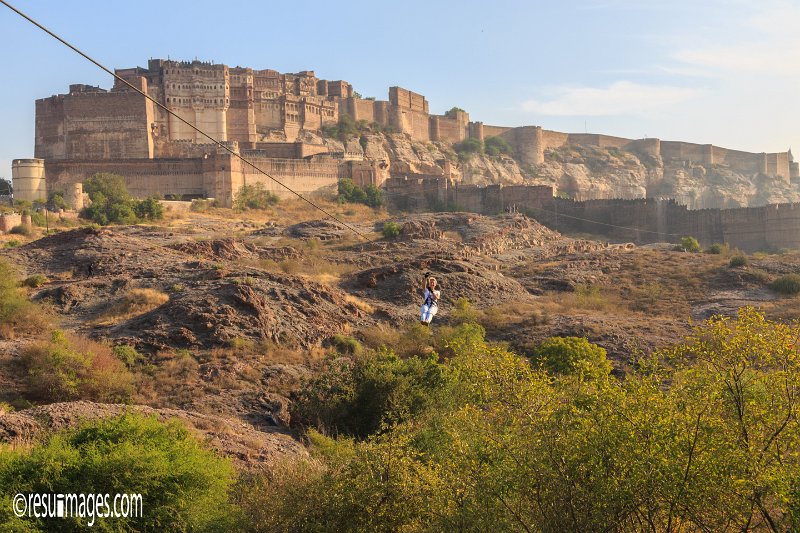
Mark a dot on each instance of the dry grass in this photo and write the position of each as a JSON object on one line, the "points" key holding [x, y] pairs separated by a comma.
{"points": [[133, 303], [359, 303]]}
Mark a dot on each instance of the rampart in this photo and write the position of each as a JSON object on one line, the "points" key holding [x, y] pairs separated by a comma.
{"points": [[642, 221]]}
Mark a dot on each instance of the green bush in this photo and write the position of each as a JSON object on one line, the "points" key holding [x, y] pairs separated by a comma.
{"points": [[35, 281], [346, 345], [469, 146], [571, 355], [254, 197], [352, 193], [112, 204], [149, 209], [738, 261], [716, 249], [788, 284], [496, 146], [184, 486], [68, 367], [128, 355], [17, 313], [55, 201], [354, 396], [690, 244], [12, 244], [391, 230]]}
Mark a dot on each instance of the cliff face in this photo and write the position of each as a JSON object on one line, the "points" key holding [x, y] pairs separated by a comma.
{"points": [[581, 172]]}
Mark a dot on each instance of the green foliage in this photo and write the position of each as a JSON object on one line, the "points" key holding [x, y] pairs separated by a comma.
{"points": [[497, 146], [391, 230], [184, 487], [350, 192], [69, 367], [788, 284], [354, 396], [12, 244], [700, 437], [469, 146], [254, 197], [38, 219], [572, 356], [464, 312], [346, 129], [715, 249], [149, 209], [17, 313], [346, 345], [738, 261], [112, 204], [55, 201], [35, 281], [128, 355], [690, 244], [451, 113]]}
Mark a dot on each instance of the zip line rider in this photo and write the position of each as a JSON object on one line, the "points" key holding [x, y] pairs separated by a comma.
{"points": [[430, 304]]}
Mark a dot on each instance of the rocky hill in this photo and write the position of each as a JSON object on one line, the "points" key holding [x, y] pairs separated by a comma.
{"points": [[581, 172]]}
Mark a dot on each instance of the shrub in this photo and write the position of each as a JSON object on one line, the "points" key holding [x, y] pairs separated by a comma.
{"points": [[17, 313], [497, 146], [55, 201], [391, 230], [354, 396], [352, 193], [690, 244], [35, 281], [346, 344], [254, 197], [128, 355], [21, 230], [571, 355], [69, 367], [788, 284], [112, 204], [469, 146], [738, 261], [715, 249], [12, 244], [149, 209], [184, 486]]}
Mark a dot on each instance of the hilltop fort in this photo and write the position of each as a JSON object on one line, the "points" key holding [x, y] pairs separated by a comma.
{"points": [[276, 120]]}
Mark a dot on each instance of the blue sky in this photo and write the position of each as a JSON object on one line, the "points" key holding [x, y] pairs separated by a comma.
{"points": [[721, 72]]}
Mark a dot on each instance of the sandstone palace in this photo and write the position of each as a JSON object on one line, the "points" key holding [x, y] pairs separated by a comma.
{"points": [[273, 120]]}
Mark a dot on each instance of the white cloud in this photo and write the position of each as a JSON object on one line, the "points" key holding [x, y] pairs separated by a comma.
{"points": [[766, 41], [620, 98]]}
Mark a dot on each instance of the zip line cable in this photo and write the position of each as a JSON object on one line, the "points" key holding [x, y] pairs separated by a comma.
{"points": [[168, 110]]}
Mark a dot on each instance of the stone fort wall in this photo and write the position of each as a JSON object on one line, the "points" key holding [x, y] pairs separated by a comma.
{"points": [[239, 104], [642, 221]]}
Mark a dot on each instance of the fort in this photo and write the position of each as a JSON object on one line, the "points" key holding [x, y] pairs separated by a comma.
{"points": [[262, 115]]}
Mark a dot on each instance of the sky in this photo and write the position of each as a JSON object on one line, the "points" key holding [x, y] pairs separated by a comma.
{"points": [[705, 71]]}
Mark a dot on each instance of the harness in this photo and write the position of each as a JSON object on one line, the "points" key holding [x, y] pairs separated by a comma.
{"points": [[429, 301]]}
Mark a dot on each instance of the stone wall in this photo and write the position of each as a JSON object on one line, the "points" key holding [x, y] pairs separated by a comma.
{"points": [[641, 221]]}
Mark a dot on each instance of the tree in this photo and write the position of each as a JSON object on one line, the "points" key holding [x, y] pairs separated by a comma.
{"points": [[112, 203], [572, 355]]}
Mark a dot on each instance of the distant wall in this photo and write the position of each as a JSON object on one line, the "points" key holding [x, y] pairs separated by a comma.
{"points": [[641, 221]]}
